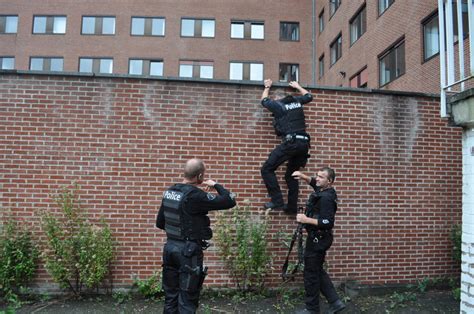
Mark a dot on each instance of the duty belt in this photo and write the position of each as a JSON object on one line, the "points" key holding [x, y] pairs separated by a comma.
{"points": [[291, 137]]}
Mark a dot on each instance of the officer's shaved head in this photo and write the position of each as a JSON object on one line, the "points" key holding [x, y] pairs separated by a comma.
{"points": [[279, 94], [193, 168]]}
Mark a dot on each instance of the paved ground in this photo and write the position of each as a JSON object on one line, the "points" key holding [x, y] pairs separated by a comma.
{"points": [[401, 303]]}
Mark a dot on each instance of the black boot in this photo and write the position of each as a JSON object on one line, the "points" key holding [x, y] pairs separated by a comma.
{"points": [[336, 306]]}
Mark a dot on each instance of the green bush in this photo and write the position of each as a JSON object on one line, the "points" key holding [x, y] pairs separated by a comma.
{"points": [[242, 243], [77, 253], [151, 287], [18, 259], [456, 233]]}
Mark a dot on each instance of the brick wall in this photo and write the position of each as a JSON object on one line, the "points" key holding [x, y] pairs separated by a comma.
{"points": [[124, 141]]}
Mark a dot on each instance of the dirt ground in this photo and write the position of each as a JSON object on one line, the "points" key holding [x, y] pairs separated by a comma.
{"points": [[402, 303]]}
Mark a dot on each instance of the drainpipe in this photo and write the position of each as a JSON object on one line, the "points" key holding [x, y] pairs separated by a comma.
{"points": [[313, 43]]}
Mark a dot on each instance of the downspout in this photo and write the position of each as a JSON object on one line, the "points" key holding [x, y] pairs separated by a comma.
{"points": [[313, 43]]}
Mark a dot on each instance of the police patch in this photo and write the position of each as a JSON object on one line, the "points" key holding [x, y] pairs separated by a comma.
{"points": [[325, 221], [210, 196]]}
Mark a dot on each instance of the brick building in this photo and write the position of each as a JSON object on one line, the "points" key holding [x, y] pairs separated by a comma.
{"points": [[361, 43], [386, 44], [238, 40]]}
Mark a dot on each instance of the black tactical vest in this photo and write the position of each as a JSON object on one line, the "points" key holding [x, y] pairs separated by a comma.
{"points": [[312, 208], [292, 121], [179, 223]]}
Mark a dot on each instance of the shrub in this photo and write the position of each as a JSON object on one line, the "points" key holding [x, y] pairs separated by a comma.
{"points": [[151, 287], [241, 241], [18, 259], [456, 233], [77, 253]]}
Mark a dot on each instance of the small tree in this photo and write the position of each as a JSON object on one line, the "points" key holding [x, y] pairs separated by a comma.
{"points": [[77, 253], [241, 241]]}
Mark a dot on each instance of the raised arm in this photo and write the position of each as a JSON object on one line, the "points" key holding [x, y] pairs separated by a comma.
{"points": [[268, 84]]}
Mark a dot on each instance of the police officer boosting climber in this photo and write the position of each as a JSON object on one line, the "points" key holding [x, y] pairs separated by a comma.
{"points": [[289, 124], [319, 219], [183, 215]]}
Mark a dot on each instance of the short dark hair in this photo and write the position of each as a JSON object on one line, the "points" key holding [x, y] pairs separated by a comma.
{"points": [[331, 173]]}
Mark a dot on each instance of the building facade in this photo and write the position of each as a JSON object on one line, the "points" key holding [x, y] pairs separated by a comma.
{"points": [[384, 44], [381, 44], [237, 40]]}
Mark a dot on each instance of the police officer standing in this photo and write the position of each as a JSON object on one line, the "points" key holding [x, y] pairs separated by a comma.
{"points": [[289, 124], [183, 215], [319, 219]]}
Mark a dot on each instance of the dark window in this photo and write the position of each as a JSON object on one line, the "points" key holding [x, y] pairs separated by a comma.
{"points": [[358, 25], [333, 6], [336, 49], [392, 63], [321, 21], [289, 72], [290, 31], [384, 5], [321, 66]]}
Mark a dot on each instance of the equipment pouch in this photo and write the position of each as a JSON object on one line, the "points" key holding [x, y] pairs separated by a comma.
{"points": [[190, 249]]}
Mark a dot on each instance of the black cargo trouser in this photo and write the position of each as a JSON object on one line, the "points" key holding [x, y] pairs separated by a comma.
{"points": [[296, 153], [316, 279], [182, 276]]}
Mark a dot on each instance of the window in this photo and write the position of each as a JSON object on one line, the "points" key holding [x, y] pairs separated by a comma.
{"points": [[246, 71], [289, 72], [98, 25], [321, 66], [247, 30], [49, 25], [8, 24], [359, 79], [290, 31], [96, 65], [384, 4], [336, 49], [465, 20], [145, 67], [333, 6], [321, 21], [148, 26], [358, 25], [7, 63], [197, 28], [430, 37], [196, 69], [392, 63], [53, 64]]}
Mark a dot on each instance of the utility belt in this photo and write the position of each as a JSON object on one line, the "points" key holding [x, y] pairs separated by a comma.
{"points": [[316, 235], [292, 137], [203, 243]]}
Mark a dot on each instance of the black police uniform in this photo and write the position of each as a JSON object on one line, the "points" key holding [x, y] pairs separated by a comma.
{"points": [[183, 215], [289, 124], [321, 205]]}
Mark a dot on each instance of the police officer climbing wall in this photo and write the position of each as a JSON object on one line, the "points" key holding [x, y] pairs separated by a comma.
{"points": [[289, 124], [183, 216]]}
